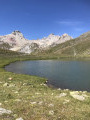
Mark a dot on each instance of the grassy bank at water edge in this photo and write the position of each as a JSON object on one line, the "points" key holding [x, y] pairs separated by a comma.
{"points": [[29, 98]]}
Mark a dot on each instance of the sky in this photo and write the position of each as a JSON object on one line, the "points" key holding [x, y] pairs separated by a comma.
{"points": [[39, 18]]}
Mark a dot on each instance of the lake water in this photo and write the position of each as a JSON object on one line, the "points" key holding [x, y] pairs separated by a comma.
{"points": [[74, 75]]}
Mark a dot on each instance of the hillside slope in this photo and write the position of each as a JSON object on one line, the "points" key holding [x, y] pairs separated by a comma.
{"points": [[76, 47], [9, 54]]}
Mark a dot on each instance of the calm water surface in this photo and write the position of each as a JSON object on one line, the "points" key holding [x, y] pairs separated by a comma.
{"points": [[74, 75]]}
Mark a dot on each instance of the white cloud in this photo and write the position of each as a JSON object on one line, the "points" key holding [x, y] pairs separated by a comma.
{"points": [[70, 23]]}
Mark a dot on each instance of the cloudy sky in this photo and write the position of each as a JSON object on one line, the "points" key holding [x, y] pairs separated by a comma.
{"points": [[38, 18]]}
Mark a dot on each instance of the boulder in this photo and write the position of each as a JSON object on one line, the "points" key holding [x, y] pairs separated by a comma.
{"points": [[4, 111]]}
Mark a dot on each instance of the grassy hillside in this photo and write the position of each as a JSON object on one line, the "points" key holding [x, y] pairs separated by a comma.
{"points": [[75, 47], [4, 52]]}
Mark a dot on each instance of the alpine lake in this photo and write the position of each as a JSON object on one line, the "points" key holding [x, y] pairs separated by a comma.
{"points": [[67, 74]]}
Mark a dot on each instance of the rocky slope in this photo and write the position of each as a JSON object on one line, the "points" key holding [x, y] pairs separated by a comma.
{"points": [[16, 42], [76, 47]]}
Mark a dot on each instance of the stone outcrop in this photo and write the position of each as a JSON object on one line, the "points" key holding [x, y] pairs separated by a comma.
{"points": [[78, 96]]}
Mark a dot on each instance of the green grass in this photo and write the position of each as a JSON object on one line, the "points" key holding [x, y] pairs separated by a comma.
{"points": [[30, 98]]}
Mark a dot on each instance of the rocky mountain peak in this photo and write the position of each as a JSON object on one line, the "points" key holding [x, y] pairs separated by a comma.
{"points": [[17, 33], [53, 37], [51, 34], [65, 34], [18, 43]]}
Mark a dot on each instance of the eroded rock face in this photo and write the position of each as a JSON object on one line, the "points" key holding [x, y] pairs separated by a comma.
{"points": [[17, 42]]}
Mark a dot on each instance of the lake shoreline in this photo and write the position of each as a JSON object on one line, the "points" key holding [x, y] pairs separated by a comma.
{"points": [[30, 98], [47, 80]]}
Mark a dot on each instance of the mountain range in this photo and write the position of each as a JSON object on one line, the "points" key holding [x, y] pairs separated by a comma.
{"points": [[51, 45], [16, 42]]}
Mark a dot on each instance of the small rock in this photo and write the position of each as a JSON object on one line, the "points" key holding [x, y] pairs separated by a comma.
{"points": [[46, 82], [5, 101], [4, 111], [19, 118], [84, 91], [33, 103], [51, 105], [43, 84], [0, 104], [66, 101], [59, 89], [6, 84], [40, 103], [17, 100], [61, 95], [51, 112], [37, 93], [52, 94], [77, 96], [66, 89], [12, 85], [10, 78], [24, 84], [85, 95], [16, 92]]}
